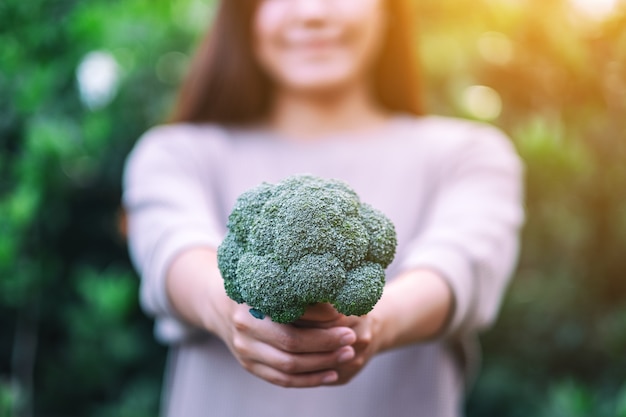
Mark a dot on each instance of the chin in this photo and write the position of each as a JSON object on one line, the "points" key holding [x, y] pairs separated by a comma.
{"points": [[321, 81]]}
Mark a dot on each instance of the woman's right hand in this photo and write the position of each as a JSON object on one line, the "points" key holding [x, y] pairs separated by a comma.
{"points": [[283, 354]]}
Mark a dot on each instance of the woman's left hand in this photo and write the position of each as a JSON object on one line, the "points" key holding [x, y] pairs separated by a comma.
{"points": [[414, 307]]}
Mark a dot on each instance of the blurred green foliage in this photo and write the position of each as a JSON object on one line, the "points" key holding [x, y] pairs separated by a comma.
{"points": [[74, 341]]}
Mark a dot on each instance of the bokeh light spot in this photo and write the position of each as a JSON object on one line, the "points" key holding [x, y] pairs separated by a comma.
{"points": [[495, 48], [193, 15], [81, 170], [98, 77], [482, 102], [171, 67]]}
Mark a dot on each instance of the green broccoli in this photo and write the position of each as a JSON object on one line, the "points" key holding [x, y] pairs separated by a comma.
{"points": [[303, 241]]}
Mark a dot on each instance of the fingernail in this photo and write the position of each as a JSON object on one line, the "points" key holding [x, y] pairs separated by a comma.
{"points": [[330, 378], [347, 339], [346, 356]]}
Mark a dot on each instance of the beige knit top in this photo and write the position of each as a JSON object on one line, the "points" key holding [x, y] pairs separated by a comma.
{"points": [[452, 188]]}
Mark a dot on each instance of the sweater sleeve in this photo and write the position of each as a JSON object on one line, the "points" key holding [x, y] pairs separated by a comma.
{"points": [[471, 232], [168, 210]]}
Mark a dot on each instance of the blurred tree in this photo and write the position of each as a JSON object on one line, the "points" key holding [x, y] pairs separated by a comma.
{"points": [[563, 89], [79, 82]]}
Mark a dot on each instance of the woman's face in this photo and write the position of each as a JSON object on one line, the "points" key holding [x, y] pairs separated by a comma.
{"points": [[318, 45]]}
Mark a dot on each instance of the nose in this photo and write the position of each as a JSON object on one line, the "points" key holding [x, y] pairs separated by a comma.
{"points": [[311, 11]]}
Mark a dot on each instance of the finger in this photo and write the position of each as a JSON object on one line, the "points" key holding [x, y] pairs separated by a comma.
{"points": [[311, 340], [299, 363], [250, 350], [294, 339], [294, 370], [307, 380]]}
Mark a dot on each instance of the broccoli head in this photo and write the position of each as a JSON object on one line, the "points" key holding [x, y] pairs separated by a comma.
{"points": [[303, 241]]}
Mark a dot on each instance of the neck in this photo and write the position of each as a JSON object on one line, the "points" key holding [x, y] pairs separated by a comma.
{"points": [[306, 116]]}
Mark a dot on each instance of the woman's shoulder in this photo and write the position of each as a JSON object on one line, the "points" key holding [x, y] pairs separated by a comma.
{"points": [[183, 145], [451, 130], [178, 137], [455, 135]]}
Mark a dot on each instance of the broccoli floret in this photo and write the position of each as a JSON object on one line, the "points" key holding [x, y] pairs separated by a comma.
{"points": [[303, 241]]}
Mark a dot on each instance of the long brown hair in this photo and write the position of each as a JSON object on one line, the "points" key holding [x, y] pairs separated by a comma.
{"points": [[226, 85]]}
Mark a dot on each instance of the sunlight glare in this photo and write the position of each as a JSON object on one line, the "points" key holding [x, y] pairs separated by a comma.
{"points": [[597, 9]]}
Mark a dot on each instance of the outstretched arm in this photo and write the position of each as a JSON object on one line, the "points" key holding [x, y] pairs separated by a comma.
{"points": [[415, 307]]}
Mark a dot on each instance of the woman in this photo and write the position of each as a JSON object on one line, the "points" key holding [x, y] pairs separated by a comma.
{"points": [[324, 87]]}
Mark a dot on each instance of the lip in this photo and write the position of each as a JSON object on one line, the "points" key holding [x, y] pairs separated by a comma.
{"points": [[321, 39], [315, 44]]}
